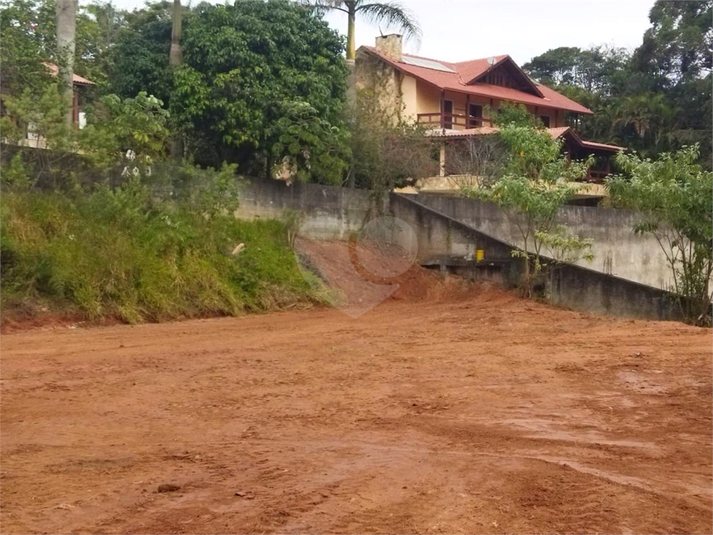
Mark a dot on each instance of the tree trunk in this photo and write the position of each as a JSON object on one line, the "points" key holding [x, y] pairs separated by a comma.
{"points": [[66, 13], [351, 47], [351, 64], [176, 55], [175, 59]]}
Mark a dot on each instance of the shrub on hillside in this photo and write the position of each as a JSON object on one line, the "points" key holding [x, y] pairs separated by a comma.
{"points": [[128, 253]]}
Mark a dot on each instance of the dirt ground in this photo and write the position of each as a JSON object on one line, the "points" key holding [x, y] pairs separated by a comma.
{"points": [[469, 412]]}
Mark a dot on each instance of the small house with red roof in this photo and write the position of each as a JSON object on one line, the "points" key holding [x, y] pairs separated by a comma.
{"points": [[458, 100], [79, 83], [79, 86]]}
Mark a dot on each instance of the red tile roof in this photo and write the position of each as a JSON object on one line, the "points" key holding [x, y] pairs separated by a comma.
{"points": [[465, 71], [469, 70], [556, 133], [561, 131], [76, 79]]}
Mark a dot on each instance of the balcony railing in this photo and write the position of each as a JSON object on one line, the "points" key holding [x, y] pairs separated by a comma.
{"points": [[596, 176], [452, 121]]}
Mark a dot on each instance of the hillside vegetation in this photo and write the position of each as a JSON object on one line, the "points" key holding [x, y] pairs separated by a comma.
{"points": [[124, 254]]}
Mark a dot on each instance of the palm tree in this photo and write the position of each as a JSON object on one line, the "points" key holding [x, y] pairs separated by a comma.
{"points": [[175, 59], [387, 13], [66, 13]]}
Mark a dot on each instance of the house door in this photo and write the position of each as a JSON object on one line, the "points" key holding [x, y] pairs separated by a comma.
{"points": [[475, 116], [447, 114]]}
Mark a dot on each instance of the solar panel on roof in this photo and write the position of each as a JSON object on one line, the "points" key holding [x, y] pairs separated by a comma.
{"points": [[427, 63]]}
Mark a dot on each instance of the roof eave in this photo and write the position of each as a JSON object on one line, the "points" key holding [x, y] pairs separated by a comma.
{"points": [[592, 145], [547, 103]]}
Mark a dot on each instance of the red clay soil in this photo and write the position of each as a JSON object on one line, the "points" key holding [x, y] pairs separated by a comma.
{"points": [[481, 414]]}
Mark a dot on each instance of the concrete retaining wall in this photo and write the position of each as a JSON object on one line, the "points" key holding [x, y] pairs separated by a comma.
{"points": [[579, 288], [572, 286], [330, 212], [438, 236], [617, 250], [450, 227]]}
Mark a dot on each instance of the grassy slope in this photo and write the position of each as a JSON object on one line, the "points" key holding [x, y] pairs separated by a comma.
{"points": [[121, 254]]}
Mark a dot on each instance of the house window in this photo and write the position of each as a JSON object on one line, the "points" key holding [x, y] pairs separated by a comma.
{"points": [[475, 115], [545, 120]]}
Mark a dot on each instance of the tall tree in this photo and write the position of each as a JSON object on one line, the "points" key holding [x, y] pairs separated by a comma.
{"points": [[657, 99], [138, 58], [98, 26], [66, 43], [262, 83], [28, 39], [389, 13], [598, 68], [679, 44], [175, 59]]}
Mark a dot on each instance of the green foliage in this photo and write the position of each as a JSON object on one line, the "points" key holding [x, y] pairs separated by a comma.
{"points": [[262, 85], [27, 28], [674, 198], [114, 126], [309, 145], [29, 39], [657, 99], [564, 248], [678, 44], [388, 152], [511, 113], [139, 55], [41, 113], [262, 81], [117, 125], [16, 175], [535, 154], [596, 69], [537, 181], [98, 25], [124, 253]]}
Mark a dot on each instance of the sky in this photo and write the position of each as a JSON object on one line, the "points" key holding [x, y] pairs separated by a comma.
{"points": [[458, 30]]}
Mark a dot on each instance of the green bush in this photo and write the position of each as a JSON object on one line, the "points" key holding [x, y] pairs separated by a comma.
{"points": [[123, 253]]}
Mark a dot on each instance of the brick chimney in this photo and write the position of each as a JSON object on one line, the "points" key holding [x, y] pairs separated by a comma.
{"points": [[390, 46]]}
